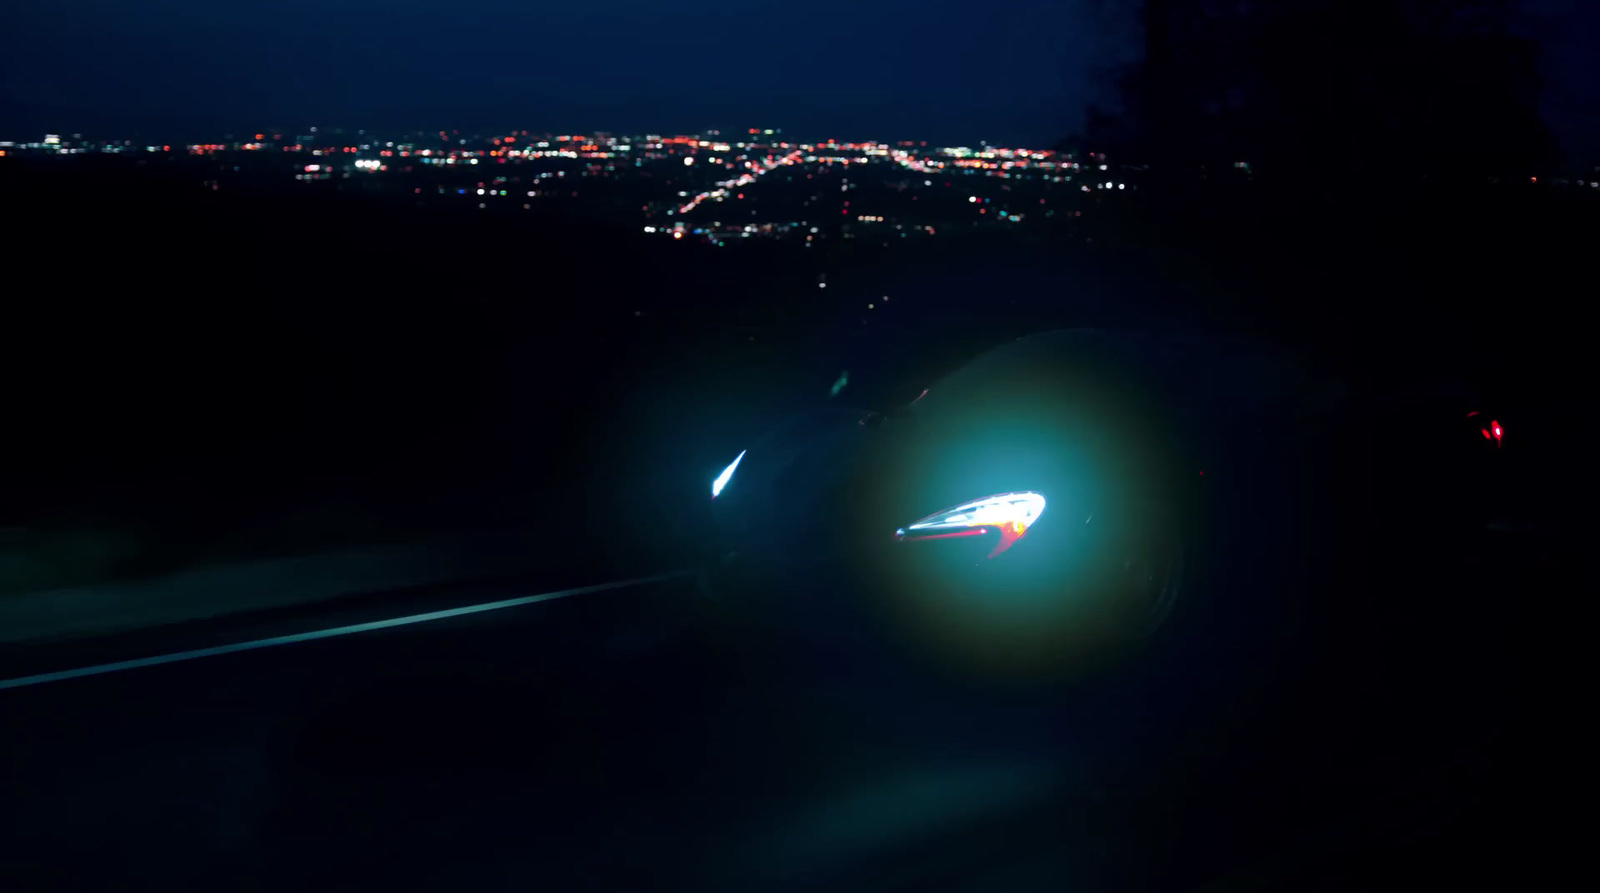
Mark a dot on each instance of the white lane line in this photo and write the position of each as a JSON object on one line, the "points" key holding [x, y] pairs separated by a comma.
{"points": [[137, 663]]}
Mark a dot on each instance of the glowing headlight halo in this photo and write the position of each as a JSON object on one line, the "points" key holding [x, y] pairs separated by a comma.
{"points": [[1009, 513], [726, 475]]}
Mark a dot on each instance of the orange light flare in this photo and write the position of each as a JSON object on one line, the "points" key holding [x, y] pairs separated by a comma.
{"points": [[1010, 532]]}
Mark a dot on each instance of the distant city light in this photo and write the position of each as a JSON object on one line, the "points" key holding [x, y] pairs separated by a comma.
{"points": [[745, 163]]}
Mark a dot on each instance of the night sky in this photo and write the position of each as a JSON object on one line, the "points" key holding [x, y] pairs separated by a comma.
{"points": [[952, 72], [1569, 32], [931, 69]]}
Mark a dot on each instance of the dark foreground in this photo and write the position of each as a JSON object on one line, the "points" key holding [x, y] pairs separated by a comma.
{"points": [[1406, 725], [645, 738]]}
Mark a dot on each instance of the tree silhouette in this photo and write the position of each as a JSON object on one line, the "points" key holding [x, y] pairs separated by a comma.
{"points": [[1302, 88]]}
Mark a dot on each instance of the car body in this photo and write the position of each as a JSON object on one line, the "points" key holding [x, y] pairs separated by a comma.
{"points": [[1083, 479]]}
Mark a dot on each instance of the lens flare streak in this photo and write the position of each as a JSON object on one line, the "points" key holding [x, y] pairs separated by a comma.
{"points": [[726, 475], [1010, 514]]}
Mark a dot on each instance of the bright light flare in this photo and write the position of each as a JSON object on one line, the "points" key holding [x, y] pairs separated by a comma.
{"points": [[726, 475], [1010, 514]]}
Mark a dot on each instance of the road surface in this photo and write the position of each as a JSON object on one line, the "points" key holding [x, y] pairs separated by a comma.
{"points": [[639, 738]]}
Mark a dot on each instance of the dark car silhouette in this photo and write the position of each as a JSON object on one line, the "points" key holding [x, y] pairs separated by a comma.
{"points": [[1076, 484]]}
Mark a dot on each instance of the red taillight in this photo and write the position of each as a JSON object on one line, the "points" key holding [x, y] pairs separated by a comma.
{"points": [[1494, 432]]}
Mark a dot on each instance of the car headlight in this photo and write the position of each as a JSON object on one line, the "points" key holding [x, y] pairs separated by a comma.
{"points": [[1011, 514], [726, 475]]}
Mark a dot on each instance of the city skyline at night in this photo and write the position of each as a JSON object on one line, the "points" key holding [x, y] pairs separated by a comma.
{"points": [[717, 186]]}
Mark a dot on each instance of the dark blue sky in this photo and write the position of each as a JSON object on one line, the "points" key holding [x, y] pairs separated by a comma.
{"points": [[1569, 33], [934, 69], [1017, 72]]}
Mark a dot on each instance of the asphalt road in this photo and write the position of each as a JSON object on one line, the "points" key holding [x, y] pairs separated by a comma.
{"points": [[643, 738]]}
